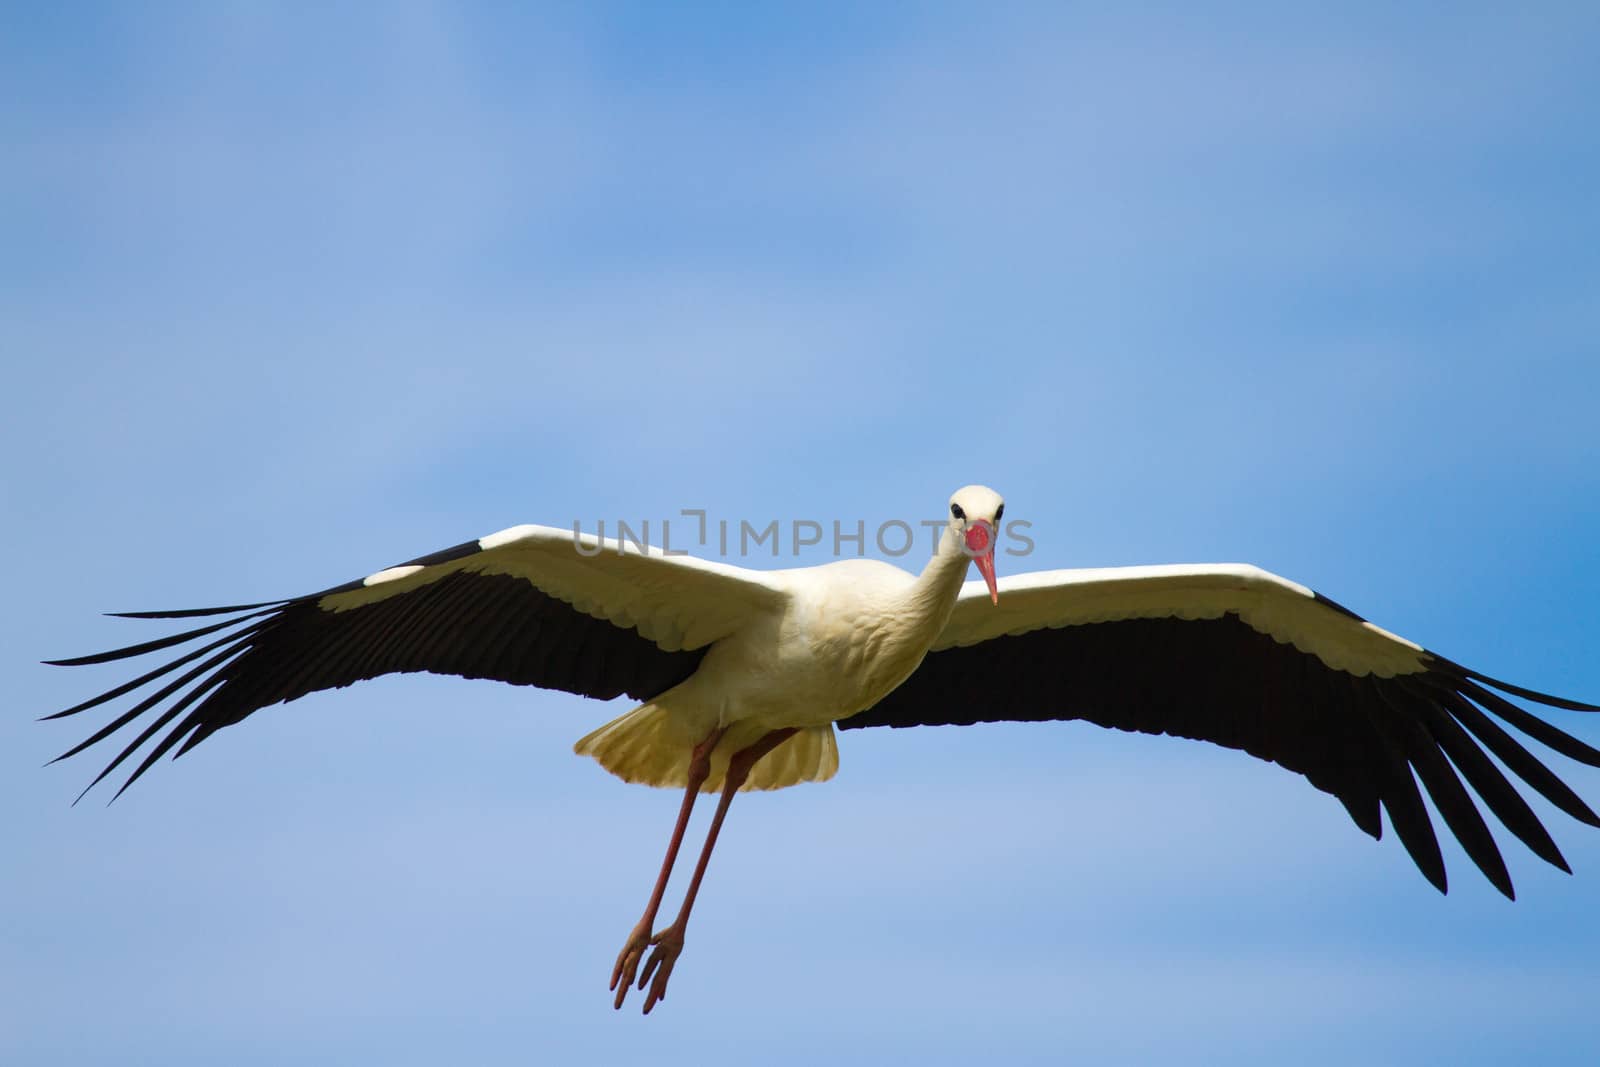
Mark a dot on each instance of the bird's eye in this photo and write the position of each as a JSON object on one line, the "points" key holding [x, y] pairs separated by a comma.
{"points": [[955, 509], [999, 511]]}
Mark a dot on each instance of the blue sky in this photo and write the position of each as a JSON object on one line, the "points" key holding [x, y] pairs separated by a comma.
{"points": [[289, 294]]}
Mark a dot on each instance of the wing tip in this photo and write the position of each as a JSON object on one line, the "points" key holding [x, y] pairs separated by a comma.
{"points": [[1549, 700], [195, 613]]}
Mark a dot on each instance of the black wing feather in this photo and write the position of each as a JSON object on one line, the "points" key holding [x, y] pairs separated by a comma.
{"points": [[1481, 773], [145, 679], [145, 647], [195, 613], [1522, 762], [1366, 740]]}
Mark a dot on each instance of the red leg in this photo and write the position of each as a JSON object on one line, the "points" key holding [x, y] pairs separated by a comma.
{"points": [[669, 942], [628, 959]]}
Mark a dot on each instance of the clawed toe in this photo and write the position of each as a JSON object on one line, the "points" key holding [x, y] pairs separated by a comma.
{"points": [[668, 947], [628, 962]]}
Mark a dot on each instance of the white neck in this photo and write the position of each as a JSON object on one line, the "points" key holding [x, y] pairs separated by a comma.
{"points": [[933, 595]]}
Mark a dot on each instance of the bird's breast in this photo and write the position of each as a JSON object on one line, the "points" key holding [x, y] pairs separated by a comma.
{"points": [[840, 646], [853, 647]]}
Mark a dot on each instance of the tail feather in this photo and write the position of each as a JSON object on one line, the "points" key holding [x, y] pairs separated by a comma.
{"points": [[650, 747], [811, 755]]}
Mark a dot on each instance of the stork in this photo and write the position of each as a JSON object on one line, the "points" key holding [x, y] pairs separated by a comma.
{"points": [[742, 676]]}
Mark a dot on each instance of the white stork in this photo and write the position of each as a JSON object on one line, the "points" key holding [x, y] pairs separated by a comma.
{"points": [[744, 674]]}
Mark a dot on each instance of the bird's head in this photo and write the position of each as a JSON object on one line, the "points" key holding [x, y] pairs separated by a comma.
{"points": [[975, 512]]}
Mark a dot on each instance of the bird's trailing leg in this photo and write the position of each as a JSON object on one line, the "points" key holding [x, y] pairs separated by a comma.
{"points": [[639, 939], [669, 942]]}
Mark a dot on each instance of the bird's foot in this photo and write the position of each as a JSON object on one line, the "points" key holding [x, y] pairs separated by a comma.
{"points": [[668, 947], [628, 960]]}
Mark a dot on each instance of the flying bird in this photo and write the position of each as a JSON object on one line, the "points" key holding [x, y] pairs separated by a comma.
{"points": [[742, 676]]}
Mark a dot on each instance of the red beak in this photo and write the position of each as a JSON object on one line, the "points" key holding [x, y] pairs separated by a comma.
{"points": [[980, 548]]}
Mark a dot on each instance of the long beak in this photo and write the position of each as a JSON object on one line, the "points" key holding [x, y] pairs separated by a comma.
{"points": [[980, 546]]}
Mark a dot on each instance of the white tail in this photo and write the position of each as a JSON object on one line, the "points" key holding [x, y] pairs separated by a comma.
{"points": [[648, 746]]}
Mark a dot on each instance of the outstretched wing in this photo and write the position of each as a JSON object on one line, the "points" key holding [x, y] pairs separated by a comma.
{"points": [[1233, 655], [530, 605]]}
